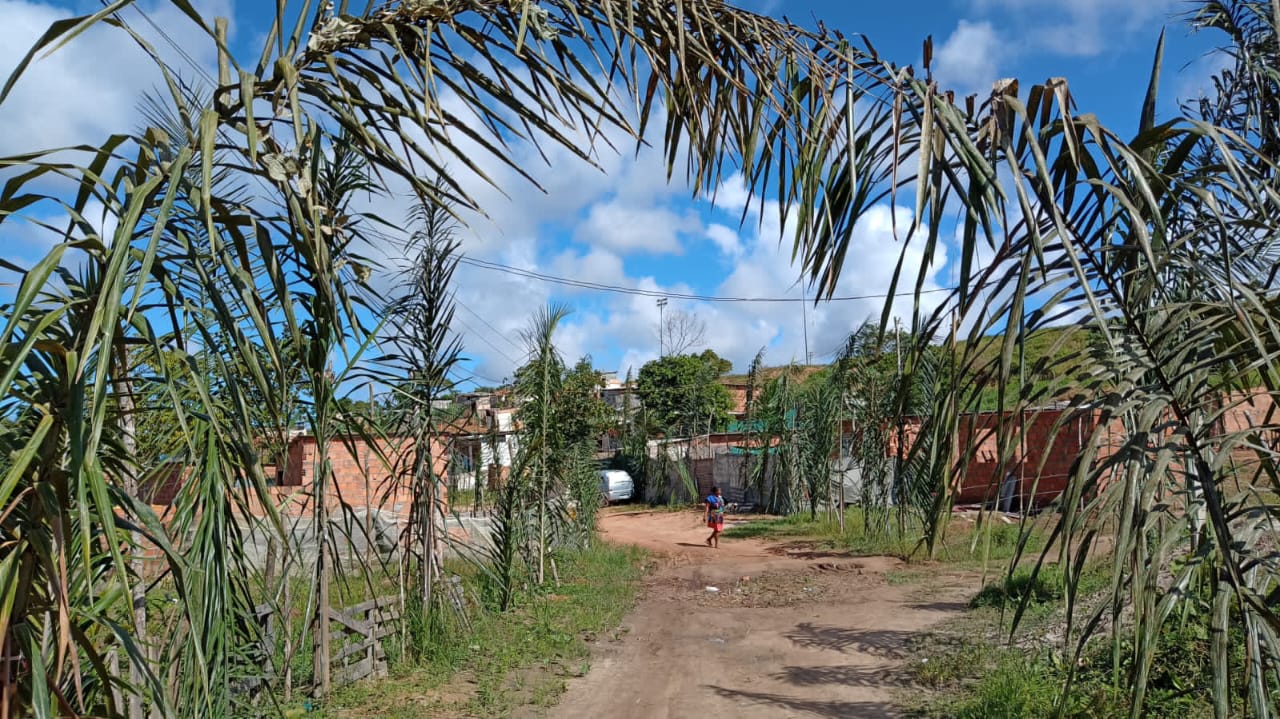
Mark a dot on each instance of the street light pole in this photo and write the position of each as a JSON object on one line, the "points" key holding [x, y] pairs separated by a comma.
{"points": [[662, 303]]}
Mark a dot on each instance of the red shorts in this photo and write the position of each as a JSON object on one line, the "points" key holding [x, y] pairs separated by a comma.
{"points": [[716, 521]]}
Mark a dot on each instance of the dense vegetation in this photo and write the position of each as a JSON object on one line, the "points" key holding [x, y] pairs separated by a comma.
{"points": [[231, 299]]}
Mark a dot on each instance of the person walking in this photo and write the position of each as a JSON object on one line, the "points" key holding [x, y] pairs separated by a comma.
{"points": [[713, 513]]}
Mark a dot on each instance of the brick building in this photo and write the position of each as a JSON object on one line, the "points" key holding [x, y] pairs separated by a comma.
{"points": [[1055, 437], [375, 475]]}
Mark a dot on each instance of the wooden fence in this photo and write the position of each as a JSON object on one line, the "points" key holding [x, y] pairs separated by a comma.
{"points": [[362, 627], [358, 651]]}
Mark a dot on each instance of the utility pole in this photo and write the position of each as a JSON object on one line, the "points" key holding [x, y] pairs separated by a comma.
{"points": [[662, 304]]}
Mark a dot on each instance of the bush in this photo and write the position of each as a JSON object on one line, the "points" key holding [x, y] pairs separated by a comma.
{"points": [[1045, 585]]}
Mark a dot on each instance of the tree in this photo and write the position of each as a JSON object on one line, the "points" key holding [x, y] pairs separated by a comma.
{"points": [[426, 351], [561, 417], [585, 415], [230, 235], [1164, 245], [681, 394], [682, 332]]}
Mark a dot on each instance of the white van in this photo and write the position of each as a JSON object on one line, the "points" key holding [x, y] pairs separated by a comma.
{"points": [[615, 485]]}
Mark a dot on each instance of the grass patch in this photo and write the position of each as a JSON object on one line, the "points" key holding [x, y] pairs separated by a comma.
{"points": [[1047, 585], [974, 671], [519, 657], [1015, 689], [962, 542]]}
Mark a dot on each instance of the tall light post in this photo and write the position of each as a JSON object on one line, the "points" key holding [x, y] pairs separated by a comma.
{"points": [[662, 304]]}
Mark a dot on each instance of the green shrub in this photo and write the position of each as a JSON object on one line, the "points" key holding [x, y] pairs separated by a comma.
{"points": [[1049, 584], [1015, 689], [1045, 585]]}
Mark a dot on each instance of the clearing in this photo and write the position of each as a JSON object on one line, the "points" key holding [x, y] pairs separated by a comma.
{"points": [[790, 632]]}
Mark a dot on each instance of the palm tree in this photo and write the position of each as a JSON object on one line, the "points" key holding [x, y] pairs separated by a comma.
{"points": [[823, 124], [1161, 246], [542, 444], [426, 353]]}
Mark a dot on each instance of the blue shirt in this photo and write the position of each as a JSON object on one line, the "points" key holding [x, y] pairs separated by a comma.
{"points": [[715, 503]]}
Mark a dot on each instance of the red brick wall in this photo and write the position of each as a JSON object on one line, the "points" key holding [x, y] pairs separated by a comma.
{"points": [[1052, 442], [1049, 453], [360, 476], [377, 474], [161, 488]]}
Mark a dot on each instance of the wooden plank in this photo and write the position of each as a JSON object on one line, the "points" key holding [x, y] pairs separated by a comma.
{"points": [[354, 649], [387, 601], [356, 670], [387, 616], [355, 625]]}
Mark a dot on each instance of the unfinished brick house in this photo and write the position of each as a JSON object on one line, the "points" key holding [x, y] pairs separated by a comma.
{"points": [[375, 475], [1055, 437]]}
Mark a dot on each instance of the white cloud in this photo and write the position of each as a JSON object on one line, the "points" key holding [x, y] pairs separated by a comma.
{"points": [[726, 239], [625, 327], [967, 61], [1075, 28], [767, 271], [91, 87], [630, 228]]}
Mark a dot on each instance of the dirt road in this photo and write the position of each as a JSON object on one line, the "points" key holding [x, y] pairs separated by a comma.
{"points": [[789, 633]]}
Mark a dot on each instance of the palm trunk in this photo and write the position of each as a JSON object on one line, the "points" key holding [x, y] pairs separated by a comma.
{"points": [[138, 591], [321, 638], [427, 509], [542, 474]]}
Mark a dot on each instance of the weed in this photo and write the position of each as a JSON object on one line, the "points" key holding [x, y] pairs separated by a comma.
{"points": [[905, 539], [1046, 585], [1015, 689], [953, 664], [507, 657]]}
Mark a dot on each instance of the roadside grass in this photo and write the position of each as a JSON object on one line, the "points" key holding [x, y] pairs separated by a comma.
{"points": [[520, 657], [963, 543], [973, 667], [1045, 586]]}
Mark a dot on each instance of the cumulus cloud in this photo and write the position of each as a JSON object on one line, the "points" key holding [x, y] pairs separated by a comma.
{"points": [[1075, 28], [91, 87], [967, 60], [725, 239], [630, 228]]}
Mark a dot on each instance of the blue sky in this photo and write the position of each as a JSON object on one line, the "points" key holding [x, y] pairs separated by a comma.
{"points": [[626, 226]]}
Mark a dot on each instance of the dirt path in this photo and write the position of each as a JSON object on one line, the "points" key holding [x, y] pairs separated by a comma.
{"points": [[790, 633]]}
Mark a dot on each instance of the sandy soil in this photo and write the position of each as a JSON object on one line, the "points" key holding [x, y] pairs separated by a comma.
{"points": [[790, 632]]}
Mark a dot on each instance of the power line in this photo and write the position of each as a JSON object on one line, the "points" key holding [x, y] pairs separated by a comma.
{"points": [[496, 331], [600, 287], [473, 376], [484, 339]]}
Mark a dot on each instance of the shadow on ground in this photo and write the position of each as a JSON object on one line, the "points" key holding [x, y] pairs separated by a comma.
{"points": [[940, 606], [886, 643], [844, 676], [865, 710]]}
